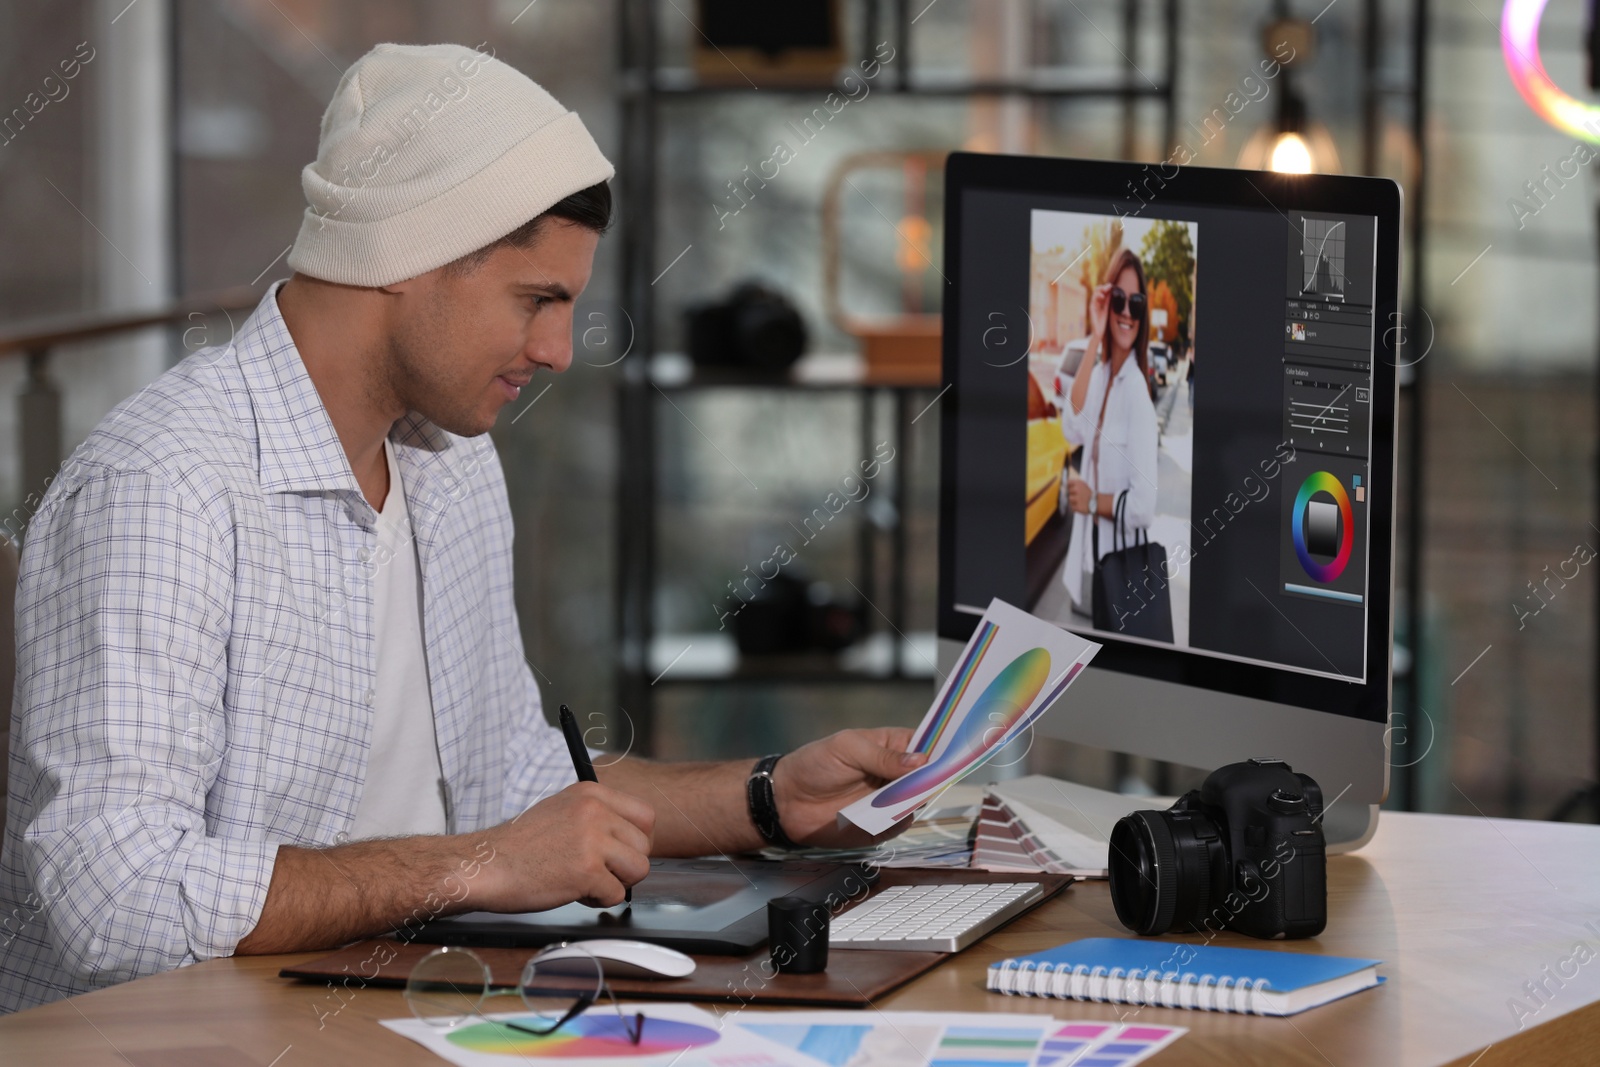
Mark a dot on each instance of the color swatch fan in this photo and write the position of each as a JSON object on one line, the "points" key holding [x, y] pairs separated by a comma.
{"points": [[1012, 671]]}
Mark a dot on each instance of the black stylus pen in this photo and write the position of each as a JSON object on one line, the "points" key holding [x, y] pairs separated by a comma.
{"points": [[581, 762]]}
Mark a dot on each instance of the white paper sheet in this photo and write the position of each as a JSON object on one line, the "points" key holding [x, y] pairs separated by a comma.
{"points": [[1012, 671]]}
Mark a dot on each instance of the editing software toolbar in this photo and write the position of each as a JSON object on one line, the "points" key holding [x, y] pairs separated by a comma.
{"points": [[1327, 409]]}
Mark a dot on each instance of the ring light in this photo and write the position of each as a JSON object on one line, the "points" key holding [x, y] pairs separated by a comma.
{"points": [[1519, 41]]}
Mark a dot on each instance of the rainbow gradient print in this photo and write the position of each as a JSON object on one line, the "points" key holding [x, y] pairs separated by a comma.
{"points": [[597, 1036], [1323, 482], [927, 740], [1519, 42], [1002, 709]]}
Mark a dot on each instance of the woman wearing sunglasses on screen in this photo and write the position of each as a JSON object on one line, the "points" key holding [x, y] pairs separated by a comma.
{"points": [[1110, 414]]}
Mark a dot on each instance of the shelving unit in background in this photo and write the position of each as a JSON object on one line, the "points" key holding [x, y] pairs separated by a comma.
{"points": [[887, 653]]}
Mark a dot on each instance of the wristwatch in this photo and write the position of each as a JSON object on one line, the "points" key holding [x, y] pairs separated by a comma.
{"points": [[764, 803]]}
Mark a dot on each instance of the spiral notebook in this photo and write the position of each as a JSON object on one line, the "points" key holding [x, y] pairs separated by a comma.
{"points": [[1174, 975]]}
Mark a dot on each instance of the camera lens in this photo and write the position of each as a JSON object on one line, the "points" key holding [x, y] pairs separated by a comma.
{"points": [[1166, 869]]}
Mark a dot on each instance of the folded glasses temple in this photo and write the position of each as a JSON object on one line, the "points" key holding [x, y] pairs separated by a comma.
{"points": [[635, 1032], [584, 1003]]}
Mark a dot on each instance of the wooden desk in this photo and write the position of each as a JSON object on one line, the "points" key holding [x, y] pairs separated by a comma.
{"points": [[1464, 911]]}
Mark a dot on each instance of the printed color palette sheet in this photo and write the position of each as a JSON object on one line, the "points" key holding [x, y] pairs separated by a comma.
{"points": [[674, 1035], [902, 1039], [954, 1039], [1012, 671], [1103, 1044]]}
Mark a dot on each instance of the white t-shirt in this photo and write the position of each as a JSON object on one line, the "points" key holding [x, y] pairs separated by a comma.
{"points": [[402, 794]]}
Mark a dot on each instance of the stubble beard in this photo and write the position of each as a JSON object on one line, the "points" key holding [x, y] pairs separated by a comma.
{"points": [[408, 377]]}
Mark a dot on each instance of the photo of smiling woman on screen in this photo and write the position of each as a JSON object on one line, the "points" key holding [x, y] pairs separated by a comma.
{"points": [[1110, 429], [1109, 415]]}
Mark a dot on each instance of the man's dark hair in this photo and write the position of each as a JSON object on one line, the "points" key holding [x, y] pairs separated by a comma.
{"points": [[589, 208]]}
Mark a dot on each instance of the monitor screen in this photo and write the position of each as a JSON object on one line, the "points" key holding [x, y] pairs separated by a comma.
{"points": [[1203, 371]]}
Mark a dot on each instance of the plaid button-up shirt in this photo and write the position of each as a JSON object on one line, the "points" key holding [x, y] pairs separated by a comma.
{"points": [[195, 664]]}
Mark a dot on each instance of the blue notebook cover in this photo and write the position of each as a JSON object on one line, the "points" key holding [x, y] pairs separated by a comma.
{"points": [[1284, 971]]}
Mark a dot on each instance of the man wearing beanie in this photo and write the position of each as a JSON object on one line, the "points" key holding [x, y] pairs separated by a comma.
{"points": [[271, 694]]}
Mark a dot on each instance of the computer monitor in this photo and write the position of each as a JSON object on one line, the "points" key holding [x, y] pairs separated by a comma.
{"points": [[1262, 624]]}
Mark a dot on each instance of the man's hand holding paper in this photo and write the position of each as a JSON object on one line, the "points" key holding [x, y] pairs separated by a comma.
{"points": [[1012, 671]]}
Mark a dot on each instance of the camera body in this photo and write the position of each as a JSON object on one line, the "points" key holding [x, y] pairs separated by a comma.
{"points": [[1244, 852], [756, 329]]}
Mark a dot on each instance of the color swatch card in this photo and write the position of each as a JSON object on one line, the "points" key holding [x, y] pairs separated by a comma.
{"points": [[674, 1035], [1012, 671], [904, 1038], [1103, 1044]]}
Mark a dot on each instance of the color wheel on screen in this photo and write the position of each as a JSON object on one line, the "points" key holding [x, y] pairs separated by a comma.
{"points": [[1308, 540], [586, 1037]]}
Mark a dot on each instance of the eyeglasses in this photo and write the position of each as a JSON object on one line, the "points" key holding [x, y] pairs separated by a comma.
{"points": [[449, 985], [1134, 302]]}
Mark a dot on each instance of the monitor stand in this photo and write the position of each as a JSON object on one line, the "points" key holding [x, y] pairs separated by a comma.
{"points": [[1349, 826]]}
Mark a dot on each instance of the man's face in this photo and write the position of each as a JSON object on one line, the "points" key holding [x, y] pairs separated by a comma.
{"points": [[462, 347]]}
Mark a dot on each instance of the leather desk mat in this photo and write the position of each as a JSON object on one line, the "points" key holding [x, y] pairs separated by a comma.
{"points": [[854, 978]]}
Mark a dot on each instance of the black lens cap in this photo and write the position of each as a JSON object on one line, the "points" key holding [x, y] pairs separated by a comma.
{"points": [[797, 931]]}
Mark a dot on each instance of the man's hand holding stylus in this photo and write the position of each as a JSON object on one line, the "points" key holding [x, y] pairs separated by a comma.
{"points": [[586, 843]]}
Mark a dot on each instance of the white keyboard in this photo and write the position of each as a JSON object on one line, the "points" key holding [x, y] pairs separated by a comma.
{"points": [[932, 918]]}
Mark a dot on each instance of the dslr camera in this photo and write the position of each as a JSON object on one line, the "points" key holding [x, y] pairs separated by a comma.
{"points": [[756, 329], [1243, 852]]}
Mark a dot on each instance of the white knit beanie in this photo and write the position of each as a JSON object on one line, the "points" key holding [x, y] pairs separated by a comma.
{"points": [[428, 152]]}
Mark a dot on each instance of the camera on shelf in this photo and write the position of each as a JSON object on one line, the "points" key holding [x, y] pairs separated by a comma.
{"points": [[1244, 852], [755, 329]]}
